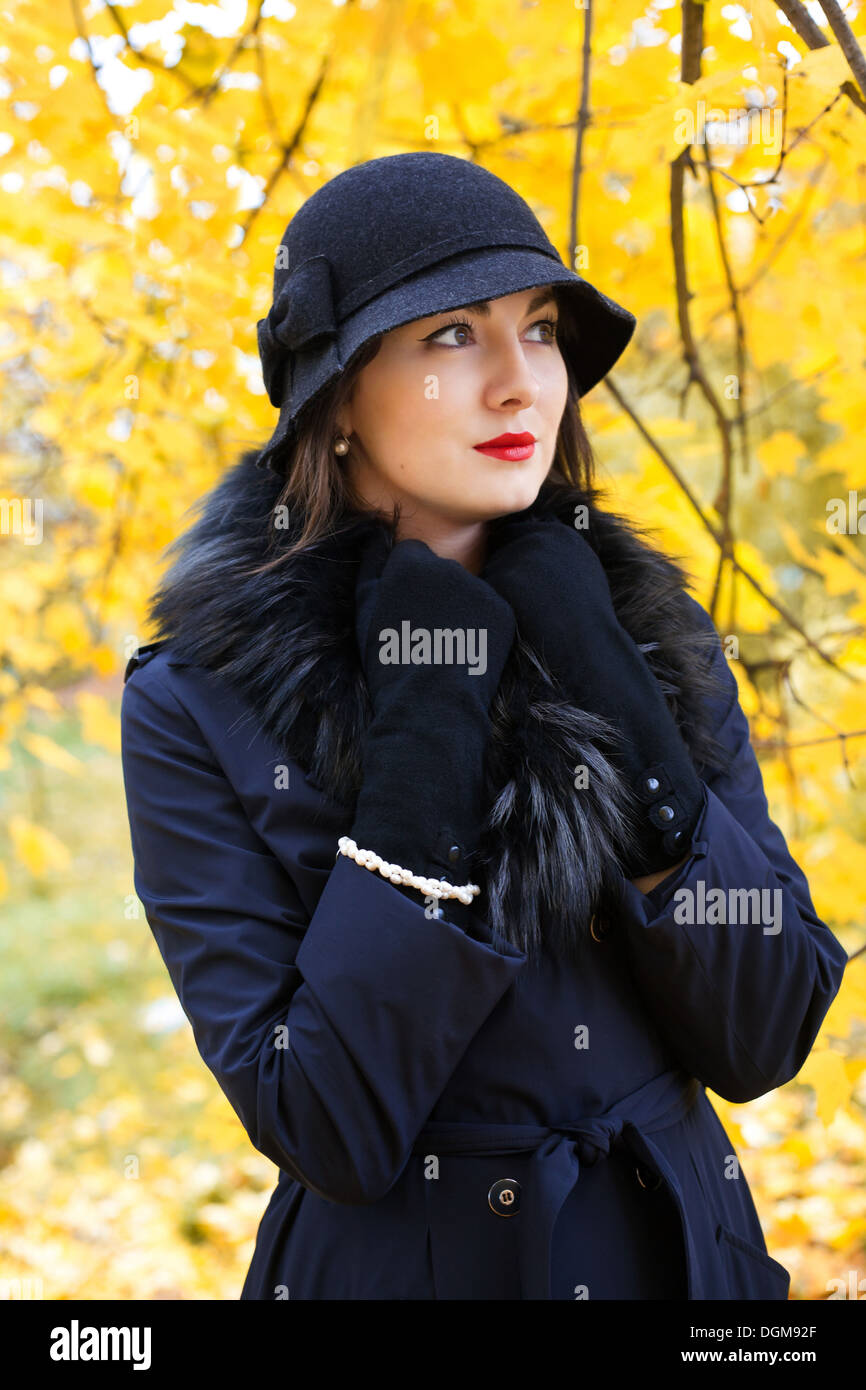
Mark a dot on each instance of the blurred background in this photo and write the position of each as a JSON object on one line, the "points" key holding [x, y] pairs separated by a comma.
{"points": [[705, 165]]}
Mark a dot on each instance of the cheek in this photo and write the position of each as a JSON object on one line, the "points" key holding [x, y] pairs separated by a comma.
{"points": [[553, 397], [436, 388], [399, 421], [555, 378], [402, 400]]}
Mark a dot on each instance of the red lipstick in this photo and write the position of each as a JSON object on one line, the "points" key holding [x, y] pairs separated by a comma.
{"points": [[513, 447]]}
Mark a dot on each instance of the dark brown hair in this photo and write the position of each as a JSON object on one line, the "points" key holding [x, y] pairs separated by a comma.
{"points": [[317, 486]]}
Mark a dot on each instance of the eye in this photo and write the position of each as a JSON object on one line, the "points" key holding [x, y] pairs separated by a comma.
{"points": [[547, 323], [451, 326], [457, 323]]}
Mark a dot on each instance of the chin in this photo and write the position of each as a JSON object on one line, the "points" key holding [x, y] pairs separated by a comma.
{"points": [[515, 493], [498, 496]]}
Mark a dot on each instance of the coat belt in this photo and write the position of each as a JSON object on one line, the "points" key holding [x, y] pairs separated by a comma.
{"points": [[557, 1154]]}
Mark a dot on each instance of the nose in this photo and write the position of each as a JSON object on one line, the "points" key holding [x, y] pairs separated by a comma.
{"points": [[511, 380]]}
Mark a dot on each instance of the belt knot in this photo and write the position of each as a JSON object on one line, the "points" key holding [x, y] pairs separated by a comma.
{"points": [[595, 1139]]}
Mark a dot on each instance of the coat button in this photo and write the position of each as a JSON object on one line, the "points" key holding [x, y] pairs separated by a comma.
{"points": [[504, 1197], [652, 784], [666, 812], [454, 853]]}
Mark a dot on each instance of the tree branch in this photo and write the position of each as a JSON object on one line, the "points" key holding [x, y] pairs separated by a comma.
{"points": [[739, 322], [805, 26], [847, 41], [803, 23], [141, 56], [690, 71], [583, 120]]}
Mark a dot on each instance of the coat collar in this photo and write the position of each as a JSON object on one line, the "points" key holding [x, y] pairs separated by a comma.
{"points": [[285, 636]]}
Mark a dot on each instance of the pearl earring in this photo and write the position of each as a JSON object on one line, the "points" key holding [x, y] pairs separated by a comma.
{"points": [[342, 445]]}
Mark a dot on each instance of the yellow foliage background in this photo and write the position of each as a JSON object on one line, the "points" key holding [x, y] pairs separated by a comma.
{"points": [[149, 162]]}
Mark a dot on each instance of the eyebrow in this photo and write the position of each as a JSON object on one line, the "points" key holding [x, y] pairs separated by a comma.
{"points": [[482, 306]]}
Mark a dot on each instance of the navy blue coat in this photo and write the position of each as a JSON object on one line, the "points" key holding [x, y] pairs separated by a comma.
{"points": [[450, 1122]]}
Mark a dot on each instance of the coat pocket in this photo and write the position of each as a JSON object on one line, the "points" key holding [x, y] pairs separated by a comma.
{"points": [[750, 1271]]}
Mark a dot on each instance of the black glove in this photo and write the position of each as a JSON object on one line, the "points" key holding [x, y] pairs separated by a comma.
{"points": [[421, 804], [555, 583]]}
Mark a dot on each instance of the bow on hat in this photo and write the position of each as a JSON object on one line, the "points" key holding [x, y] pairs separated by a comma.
{"points": [[302, 312]]}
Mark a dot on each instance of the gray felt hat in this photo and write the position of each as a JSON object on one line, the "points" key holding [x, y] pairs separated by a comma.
{"points": [[400, 238]]}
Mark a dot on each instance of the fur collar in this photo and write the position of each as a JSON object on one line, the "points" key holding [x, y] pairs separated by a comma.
{"points": [[286, 638]]}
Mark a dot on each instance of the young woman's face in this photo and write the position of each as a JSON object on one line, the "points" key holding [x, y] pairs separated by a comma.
{"points": [[435, 390]]}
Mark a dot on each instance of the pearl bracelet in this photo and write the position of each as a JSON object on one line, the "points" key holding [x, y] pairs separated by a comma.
{"points": [[431, 887]]}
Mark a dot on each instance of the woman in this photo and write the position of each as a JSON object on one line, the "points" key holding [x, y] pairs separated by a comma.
{"points": [[428, 766]]}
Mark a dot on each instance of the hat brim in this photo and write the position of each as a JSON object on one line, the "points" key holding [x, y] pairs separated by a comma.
{"points": [[604, 328]]}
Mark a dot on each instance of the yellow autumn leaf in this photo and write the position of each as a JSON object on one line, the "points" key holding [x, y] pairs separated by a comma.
{"points": [[104, 660], [821, 71], [34, 656], [824, 1070], [99, 724], [43, 699], [779, 454], [849, 1006], [835, 863], [840, 575], [855, 1066], [51, 753], [796, 1145], [38, 849], [65, 625]]}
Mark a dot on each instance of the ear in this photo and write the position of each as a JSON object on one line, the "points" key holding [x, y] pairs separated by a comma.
{"points": [[344, 414]]}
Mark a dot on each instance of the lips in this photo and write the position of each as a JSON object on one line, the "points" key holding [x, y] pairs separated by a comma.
{"points": [[505, 441], [512, 447]]}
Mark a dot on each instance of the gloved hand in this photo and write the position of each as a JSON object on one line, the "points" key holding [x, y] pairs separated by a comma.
{"points": [[554, 581], [421, 803]]}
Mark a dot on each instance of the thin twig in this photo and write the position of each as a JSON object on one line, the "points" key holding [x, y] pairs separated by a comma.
{"points": [[206, 90], [808, 742], [142, 57], [292, 144]]}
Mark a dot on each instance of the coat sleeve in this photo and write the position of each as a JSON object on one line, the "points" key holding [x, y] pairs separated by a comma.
{"points": [[740, 991], [333, 1034]]}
